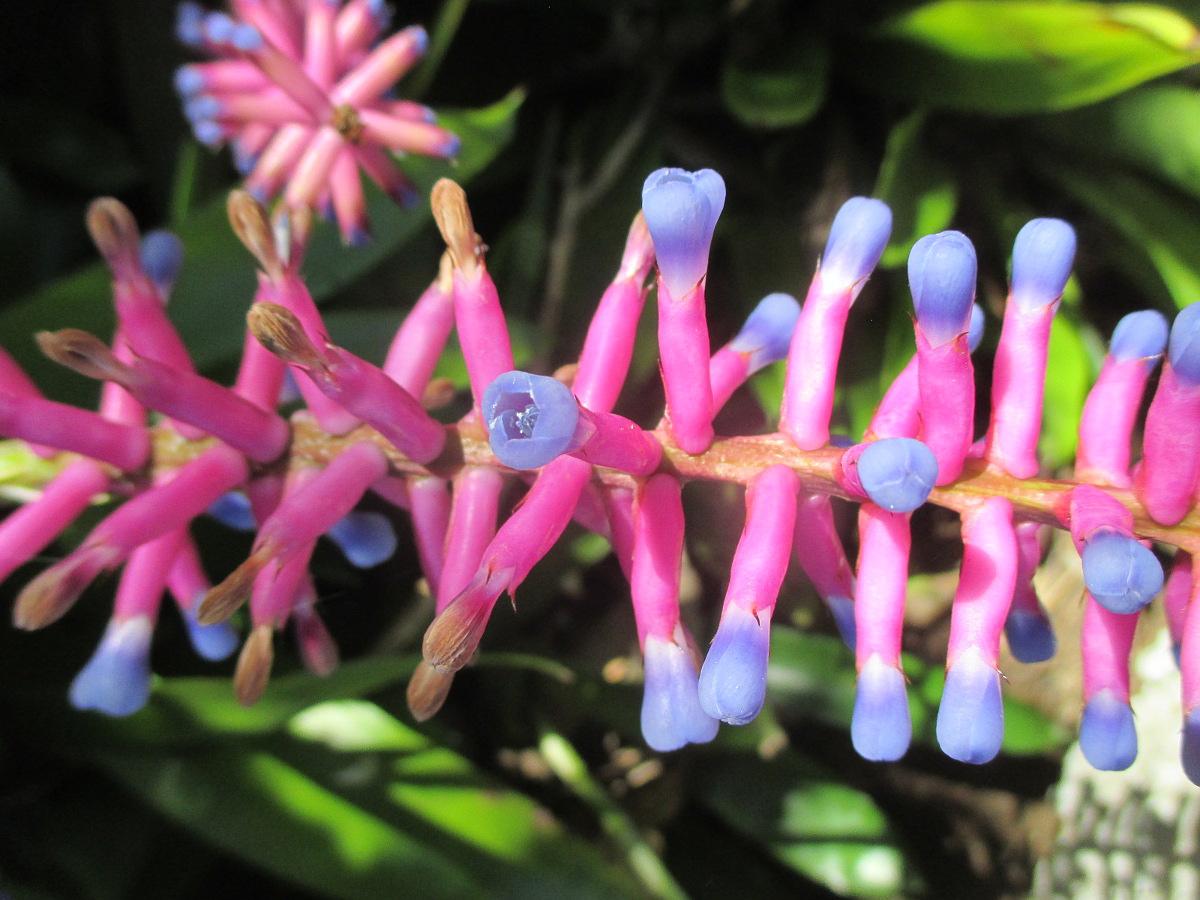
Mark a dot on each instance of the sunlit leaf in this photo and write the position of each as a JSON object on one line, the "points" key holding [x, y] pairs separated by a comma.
{"points": [[1003, 57]]}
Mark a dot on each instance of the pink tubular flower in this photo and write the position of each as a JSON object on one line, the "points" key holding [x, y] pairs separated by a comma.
{"points": [[1030, 637], [764, 339], [733, 679], [681, 210], [1170, 469], [856, 241], [819, 552], [305, 101], [672, 714], [1120, 573], [1106, 731], [1042, 258], [970, 722]]}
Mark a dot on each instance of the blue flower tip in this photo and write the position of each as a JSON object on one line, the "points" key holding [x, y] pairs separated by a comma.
{"points": [[733, 679], [880, 727], [1043, 254], [970, 721], [450, 147], [358, 236], [941, 275], [1107, 735], [208, 133], [842, 610], [1030, 637], [189, 24], [1121, 574], [857, 239], [233, 510], [767, 334], [246, 38], [897, 473], [116, 680], [420, 39], [188, 81], [681, 210], [671, 712], [211, 642], [531, 419], [218, 27], [975, 334], [162, 258], [1140, 335], [365, 538], [1183, 347], [1190, 748]]}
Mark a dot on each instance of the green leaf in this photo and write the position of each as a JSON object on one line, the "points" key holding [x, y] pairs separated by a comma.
{"points": [[776, 87], [217, 282], [806, 819], [1069, 376], [919, 188], [354, 804], [1001, 57]]}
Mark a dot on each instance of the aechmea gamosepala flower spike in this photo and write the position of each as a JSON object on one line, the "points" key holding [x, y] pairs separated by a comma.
{"points": [[681, 210], [899, 412], [1167, 477], [354, 384], [1106, 731], [733, 679], [1118, 571], [1042, 257], [896, 474], [857, 238], [183, 395], [533, 419], [970, 723], [1111, 410], [764, 339], [941, 275]]}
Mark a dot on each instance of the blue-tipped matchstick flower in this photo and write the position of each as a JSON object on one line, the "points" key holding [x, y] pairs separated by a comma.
{"points": [[767, 334], [970, 723], [733, 680], [671, 712], [1043, 254], [1107, 735], [1119, 572], [365, 538], [1140, 335], [681, 210], [233, 511], [162, 258], [116, 679], [941, 274], [857, 238], [897, 473], [880, 727], [211, 642]]}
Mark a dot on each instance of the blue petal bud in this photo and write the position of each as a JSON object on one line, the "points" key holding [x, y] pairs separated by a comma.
{"points": [[211, 642], [681, 210], [1030, 637], [1107, 735], [246, 38], [880, 727], [842, 610], [767, 334], [233, 510], [941, 275], [857, 239], [188, 81], [970, 722], [1184, 345], [733, 679], [189, 24], [366, 538], [116, 680], [1121, 574], [208, 133], [1042, 257], [897, 473], [975, 334], [162, 258], [1190, 749], [671, 711], [201, 108], [531, 419], [1140, 335], [218, 27]]}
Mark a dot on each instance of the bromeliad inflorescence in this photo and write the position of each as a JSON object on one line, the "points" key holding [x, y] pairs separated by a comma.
{"points": [[226, 451]]}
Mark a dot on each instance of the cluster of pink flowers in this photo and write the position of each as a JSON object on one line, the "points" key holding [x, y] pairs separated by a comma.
{"points": [[367, 428], [303, 95]]}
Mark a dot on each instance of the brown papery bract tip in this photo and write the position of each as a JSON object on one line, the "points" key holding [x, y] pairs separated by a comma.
{"points": [[254, 666], [453, 217], [427, 691], [48, 597], [253, 228], [279, 330], [114, 231], [224, 599], [453, 637], [438, 393], [83, 353]]}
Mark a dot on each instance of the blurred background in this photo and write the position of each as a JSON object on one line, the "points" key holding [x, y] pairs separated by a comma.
{"points": [[534, 781]]}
